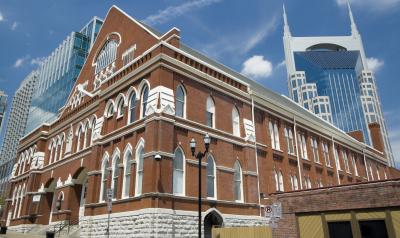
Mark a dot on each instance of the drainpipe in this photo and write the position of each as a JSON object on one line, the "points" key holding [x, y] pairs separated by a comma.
{"points": [[255, 152], [297, 153], [366, 166], [337, 162]]}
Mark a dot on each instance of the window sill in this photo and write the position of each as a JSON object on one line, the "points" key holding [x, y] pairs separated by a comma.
{"points": [[120, 116]]}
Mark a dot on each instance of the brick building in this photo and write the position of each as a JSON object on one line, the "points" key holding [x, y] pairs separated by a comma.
{"points": [[142, 95]]}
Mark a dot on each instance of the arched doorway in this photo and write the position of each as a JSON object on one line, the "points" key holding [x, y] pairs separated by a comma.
{"points": [[211, 220], [80, 178]]}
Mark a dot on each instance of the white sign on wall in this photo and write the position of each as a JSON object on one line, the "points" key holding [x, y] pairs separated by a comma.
{"points": [[36, 198]]}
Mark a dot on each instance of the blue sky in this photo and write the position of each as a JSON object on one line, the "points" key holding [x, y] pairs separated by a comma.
{"points": [[245, 35]]}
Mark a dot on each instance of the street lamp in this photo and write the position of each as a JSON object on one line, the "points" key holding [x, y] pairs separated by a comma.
{"points": [[199, 156]]}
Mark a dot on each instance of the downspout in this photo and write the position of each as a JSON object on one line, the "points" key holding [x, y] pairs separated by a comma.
{"points": [[297, 153], [255, 152], [366, 166], [337, 162]]}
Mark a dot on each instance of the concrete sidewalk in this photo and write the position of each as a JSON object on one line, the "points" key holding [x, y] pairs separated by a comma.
{"points": [[13, 234]]}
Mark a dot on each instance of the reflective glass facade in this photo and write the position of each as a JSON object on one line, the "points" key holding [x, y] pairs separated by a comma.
{"points": [[3, 107], [335, 74], [59, 73]]}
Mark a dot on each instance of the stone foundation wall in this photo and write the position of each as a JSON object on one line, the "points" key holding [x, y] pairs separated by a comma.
{"points": [[155, 222], [23, 228]]}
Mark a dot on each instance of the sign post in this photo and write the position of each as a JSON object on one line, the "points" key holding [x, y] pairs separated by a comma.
{"points": [[110, 193], [274, 213]]}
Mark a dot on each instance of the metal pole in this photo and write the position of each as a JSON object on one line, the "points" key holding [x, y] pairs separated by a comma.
{"points": [[199, 156], [108, 225]]}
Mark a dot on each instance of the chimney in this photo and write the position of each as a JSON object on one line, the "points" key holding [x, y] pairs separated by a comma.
{"points": [[376, 136], [358, 135]]}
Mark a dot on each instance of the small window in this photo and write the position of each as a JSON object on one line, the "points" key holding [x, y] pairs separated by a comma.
{"points": [[129, 55], [109, 111], [274, 133], [127, 174], [341, 229], [139, 170]]}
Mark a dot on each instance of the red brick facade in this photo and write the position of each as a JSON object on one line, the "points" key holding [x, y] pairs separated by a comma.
{"points": [[68, 154]]}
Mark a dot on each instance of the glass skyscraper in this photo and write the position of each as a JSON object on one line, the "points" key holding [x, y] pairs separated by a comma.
{"points": [[16, 126], [58, 74], [3, 107], [329, 76]]}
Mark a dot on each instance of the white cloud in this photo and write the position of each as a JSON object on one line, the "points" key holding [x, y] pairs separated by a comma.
{"points": [[1, 17], [174, 11], [375, 64], [239, 44], [21, 61], [38, 61], [14, 25], [257, 67], [371, 4]]}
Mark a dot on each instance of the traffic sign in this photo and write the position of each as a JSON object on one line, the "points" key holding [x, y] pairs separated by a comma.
{"points": [[110, 194]]}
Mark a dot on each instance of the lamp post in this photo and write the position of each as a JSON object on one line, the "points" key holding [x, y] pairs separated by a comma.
{"points": [[199, 156]]}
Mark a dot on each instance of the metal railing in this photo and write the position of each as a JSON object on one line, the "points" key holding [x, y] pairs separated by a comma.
{"points": [[58, 228]]}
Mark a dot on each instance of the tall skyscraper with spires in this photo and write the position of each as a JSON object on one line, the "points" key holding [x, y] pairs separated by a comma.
{"points": [[329, 76]]}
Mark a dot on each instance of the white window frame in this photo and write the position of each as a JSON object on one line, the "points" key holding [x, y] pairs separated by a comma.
{"points": [[104, 176], [238, 166], [210, 108], [115, 173], [210, 157], [274, 134], [127, 171], [180, 87], [314, 144], [139, 162], [235, 121], [183, 172]]}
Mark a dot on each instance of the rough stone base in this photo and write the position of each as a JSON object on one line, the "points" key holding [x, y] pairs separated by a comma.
{"points": [[155, 222], [23, 228]]}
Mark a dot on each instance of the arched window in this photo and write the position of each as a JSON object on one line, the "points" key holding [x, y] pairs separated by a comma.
{"points": [[145, 97], [78, 138], [281, 187], [21, 196], [210, 112], [180, 102], [274, 133], [238, 182], [179, 172], [211, 177], [127, 172], [61, 146], [235, 122], [50, 156], [120, 107], [132, 108], [104, 177], [17, 201], [93, 129], [295, 183], [86, 133], [107, 55], [139, 169], [109, 111], [115, 173]]}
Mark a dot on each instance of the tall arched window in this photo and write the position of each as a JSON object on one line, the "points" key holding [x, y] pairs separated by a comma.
{"points": [[211, 177], [139, 169], [50, 156], [86, 133], [107, 55], [120, 107], [179, 173], [115, 173], [127, 172], [61, 147], [210, 112], [145, 97], [238, 183], [104, 177], [78, 138], [93, 129], [235, 122], [180, 101], [17, 202], [21, 198], [132, 108]]}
